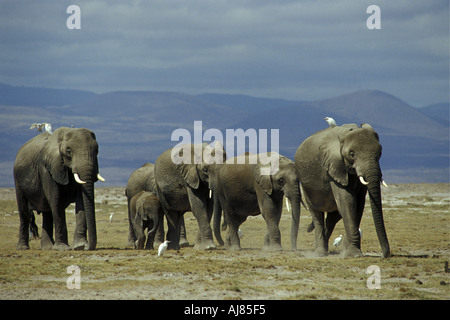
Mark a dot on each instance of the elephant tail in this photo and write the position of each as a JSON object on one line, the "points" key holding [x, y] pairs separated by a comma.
{"points": [[34, 230]]}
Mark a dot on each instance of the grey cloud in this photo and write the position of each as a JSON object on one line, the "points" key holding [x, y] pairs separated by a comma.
{"points": [[290, 49]]}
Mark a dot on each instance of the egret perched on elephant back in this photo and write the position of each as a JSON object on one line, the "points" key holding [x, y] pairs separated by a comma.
{"points": [[337, 167]]}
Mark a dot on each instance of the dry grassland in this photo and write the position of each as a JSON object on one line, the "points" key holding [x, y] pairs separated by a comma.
{"points": [[417, 219]]}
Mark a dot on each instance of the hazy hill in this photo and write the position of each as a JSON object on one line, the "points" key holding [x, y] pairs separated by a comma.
{"points": [[134, 127], [439, 112], [41, 97]]}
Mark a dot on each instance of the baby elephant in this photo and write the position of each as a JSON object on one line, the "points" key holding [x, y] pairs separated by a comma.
{"points": [[145, 212]]}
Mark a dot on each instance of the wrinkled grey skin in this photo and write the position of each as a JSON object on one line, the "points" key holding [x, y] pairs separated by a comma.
{"points": [[183, 187], [145, 213], [44, 179], [243, 191], [329, 164], [143, 179]]}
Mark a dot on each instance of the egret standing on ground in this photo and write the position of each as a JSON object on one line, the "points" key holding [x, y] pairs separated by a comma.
{"points": [[163, 247], [330, 121], [337, 241]]}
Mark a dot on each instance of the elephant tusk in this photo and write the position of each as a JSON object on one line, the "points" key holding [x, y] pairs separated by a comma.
{"points": [[99, 177], [288, 206], [210, 193], [384, 183], [77, 179], [364, 182]]}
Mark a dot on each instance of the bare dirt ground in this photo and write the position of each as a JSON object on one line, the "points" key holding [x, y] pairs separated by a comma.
{"points": [[417, 219]]}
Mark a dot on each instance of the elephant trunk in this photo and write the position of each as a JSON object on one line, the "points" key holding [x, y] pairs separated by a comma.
{"points": [[155, 219], [373, 177], [295, 199], [216, 220], [87, 175]]}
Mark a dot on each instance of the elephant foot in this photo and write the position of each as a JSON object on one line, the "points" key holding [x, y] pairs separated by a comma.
{"points": [[273, 247], [80, 245], [320, 252], [175, 246], [22, 246], [352, 253], [205, 245], [59, 246], [184, 243], [234, 247]]}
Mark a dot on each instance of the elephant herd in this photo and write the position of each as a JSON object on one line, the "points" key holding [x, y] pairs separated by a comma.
{"points": [[332, 172]]}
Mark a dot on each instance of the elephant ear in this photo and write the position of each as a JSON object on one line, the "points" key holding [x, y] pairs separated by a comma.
{"points": [[190, 175], [265, 181], [140, 207], [331, 159], [53, 160]]}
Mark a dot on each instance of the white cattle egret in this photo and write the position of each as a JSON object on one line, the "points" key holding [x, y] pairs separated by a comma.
{"points": [[111, 217], [48, 128], [288, 206], [337, 241], [163, 247], [240, 234], [42, 127], [330, 121]]}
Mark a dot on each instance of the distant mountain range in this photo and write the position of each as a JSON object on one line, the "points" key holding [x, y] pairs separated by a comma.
{"points": [[134, 127]]}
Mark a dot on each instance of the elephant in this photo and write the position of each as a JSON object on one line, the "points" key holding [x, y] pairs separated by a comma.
{"points": [[244, 191], [143, 179], [336, 168], [50, 172], [182, 185], [145, 213]]}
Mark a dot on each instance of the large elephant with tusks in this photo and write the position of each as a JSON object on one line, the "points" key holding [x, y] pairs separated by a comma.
{"points": [[50, 172]]}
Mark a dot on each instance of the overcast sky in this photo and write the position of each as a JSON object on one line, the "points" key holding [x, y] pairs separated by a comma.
{"points": [[302, 50]]}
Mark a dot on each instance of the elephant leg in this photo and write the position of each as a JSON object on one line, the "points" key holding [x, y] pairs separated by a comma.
{"points": [[159, 235], [47, 231], [271, 212], [150, 239], [232, 241], [183, 240], [24, 213], [173, 232], [131, 234], [199, 209], [330, 223], [80, 241], [320, 243], [347, 207], [61, 238], [140, 242]]}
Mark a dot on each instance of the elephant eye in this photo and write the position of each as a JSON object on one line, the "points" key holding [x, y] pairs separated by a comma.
{"points": [[69, 152], [205, 170], [352, 154], [281, 181]]}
